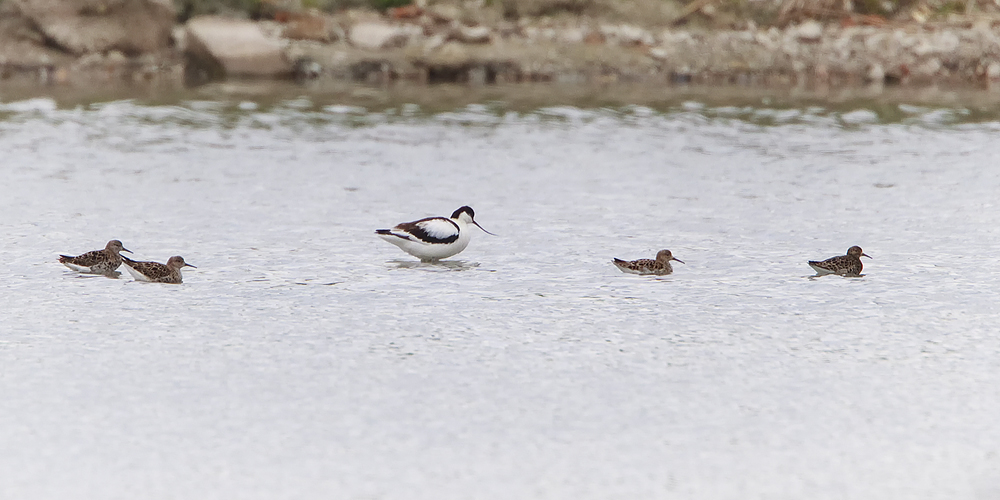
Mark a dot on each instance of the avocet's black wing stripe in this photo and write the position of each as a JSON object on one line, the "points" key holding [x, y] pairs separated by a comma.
{"points": [[388, 232], [431, 230]]}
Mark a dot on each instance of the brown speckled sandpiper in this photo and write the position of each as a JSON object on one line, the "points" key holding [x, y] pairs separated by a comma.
{"points": [[849, 265], [155, 272], [649, 266], [97, 262]]}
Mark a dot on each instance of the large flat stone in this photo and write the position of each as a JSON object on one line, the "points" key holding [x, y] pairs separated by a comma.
{"points": [[83, 26], [22, 47], [221, 47]]}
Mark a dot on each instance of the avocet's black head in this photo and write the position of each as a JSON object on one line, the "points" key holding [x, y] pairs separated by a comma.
{"points": [[466, 209], [467, 215]]}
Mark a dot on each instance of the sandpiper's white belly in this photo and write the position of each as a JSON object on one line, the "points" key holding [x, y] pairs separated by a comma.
{"points": [[820, 270], [624, 267], [79, 269], [136, 274]]}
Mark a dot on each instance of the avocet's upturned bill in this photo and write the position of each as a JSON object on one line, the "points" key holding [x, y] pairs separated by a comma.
{"points": [[433, 238]]}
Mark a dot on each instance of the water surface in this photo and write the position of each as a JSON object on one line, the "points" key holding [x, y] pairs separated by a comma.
{"points": [[306, 358]]}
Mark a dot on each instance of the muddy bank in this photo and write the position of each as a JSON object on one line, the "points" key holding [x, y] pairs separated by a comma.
{"points": [[139, 43]]}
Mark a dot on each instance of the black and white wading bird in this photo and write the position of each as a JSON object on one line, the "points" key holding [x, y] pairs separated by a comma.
{"points": [[433, 238]]}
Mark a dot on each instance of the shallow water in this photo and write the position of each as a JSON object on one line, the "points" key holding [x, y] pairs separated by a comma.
{"points": [[306, 358]]}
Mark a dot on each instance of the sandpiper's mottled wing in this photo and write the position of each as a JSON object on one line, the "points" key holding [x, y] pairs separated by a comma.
{"points": [[841, 264], [641, 266], [146, 271], [86, 260], [432, 230]]}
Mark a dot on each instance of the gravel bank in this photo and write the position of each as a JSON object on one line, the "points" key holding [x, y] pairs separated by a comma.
{"points": [[445, 44]]}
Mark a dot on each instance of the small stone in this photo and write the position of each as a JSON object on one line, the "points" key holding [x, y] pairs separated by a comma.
{"points": [[476, 34], [809, 31], [658, 53], [445, 12], [993, 71], [115, 57], [92, 59], [434, 42], [573, 35], [452, 53], [634, 35]]}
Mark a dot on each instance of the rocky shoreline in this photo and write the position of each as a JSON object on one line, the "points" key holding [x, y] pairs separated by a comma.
{"points": [[139, 42]]}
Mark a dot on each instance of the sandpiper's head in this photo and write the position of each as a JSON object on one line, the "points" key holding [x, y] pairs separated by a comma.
{"points": [[467, 215], [856, 251], [666, 256], [116, 246], [177, 262]]}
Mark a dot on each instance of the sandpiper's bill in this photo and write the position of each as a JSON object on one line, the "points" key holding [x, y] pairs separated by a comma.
{"points": [[155, 272], [433, 238], [847, 265], [649, 266], [97, 262]]}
